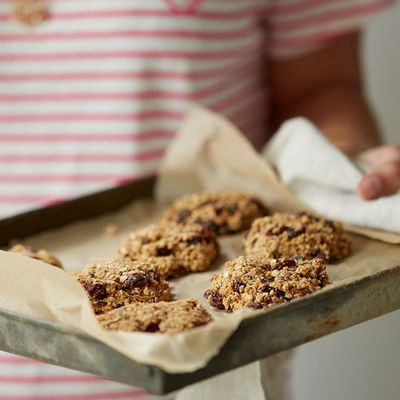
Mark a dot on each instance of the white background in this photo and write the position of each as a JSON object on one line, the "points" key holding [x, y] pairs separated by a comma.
{"points": [[363, 362]]}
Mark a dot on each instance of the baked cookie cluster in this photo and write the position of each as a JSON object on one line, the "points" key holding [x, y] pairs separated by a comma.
{"points": [[183, 242], [162, 317], [112, 283], [304, 235], [286, 256], [224, 213], [170, 250], [258, 281]]}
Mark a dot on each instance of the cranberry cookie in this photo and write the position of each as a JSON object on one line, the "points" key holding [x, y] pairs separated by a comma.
{"points": [[303, 235], [260, 282], [171, 250], [112, 283], [222, 212], [163, 317]]}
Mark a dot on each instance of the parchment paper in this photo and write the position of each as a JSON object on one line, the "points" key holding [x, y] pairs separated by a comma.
{"points": [[208, 154]]}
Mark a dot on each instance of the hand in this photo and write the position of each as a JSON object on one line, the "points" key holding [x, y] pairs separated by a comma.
{"points": [[384, 179]]}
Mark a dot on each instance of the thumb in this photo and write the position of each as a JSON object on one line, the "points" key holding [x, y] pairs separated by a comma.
{"points": [[383, 181]]}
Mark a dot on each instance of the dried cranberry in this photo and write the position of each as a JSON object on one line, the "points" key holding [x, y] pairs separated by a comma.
{"points": [[208, 226], [218, 210], [273, 232], [279, 293], [183, 215], [232, 208], [267, 288], [152, 327], [97, 291], [320, 255], [214, 298], [196, 240], [138, 280], [256, 305], [151, 275], [213, 226], [292, 233], [163, 252], [285, 263], [236, 285], [199, 221]]}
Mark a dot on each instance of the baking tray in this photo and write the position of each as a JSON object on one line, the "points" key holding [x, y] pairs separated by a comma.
{"points": [[281, 328]]}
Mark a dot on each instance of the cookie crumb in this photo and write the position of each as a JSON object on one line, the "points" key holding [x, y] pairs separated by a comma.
{"points": [[111, 230], [41, 254]]}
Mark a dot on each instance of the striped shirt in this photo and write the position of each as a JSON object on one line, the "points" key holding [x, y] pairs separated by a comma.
{"points": [[92, 97]]}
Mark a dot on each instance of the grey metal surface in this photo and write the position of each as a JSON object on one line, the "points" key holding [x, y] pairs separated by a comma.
{"points": [[57, 215], [279, 329]]}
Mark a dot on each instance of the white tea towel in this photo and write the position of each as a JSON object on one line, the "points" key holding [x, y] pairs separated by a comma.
{"points": [[325, 180]]}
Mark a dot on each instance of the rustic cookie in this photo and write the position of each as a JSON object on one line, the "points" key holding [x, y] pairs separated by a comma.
{"points": [[171, 250], [163, 317], [112, 283], [41, 255], [260, 282], [223, 212], [303, 235]]}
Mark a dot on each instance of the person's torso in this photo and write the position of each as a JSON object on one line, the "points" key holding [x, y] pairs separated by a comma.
{"points": [[92, 96]]}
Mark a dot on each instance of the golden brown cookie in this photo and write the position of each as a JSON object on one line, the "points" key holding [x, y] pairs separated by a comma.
{"points": [[112, 283], [163, 317], [285, 235], [222, 212], [41, 255], [171, 250], [257, 281]]}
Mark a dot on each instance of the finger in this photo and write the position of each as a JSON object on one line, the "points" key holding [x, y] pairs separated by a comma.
{"points": [[380, 155], [383, 181]]}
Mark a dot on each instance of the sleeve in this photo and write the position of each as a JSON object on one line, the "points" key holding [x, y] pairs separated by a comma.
{"points": [[298, 27]]}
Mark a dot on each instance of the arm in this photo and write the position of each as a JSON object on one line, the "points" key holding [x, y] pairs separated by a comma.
{"points": [[326, 87]]}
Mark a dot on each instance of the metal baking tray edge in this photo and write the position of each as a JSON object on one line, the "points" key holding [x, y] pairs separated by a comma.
{"points": [[278, 329]]}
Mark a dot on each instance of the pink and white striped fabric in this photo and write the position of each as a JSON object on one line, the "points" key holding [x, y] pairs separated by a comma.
{"points": [[92, 97], [23, 379]]}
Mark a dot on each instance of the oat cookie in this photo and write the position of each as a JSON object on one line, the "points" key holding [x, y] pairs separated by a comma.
{"points": [[171, 250], [223, 212], [112, 283], [163, 317], [41, 255], [285, 235], [257, 281]]}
